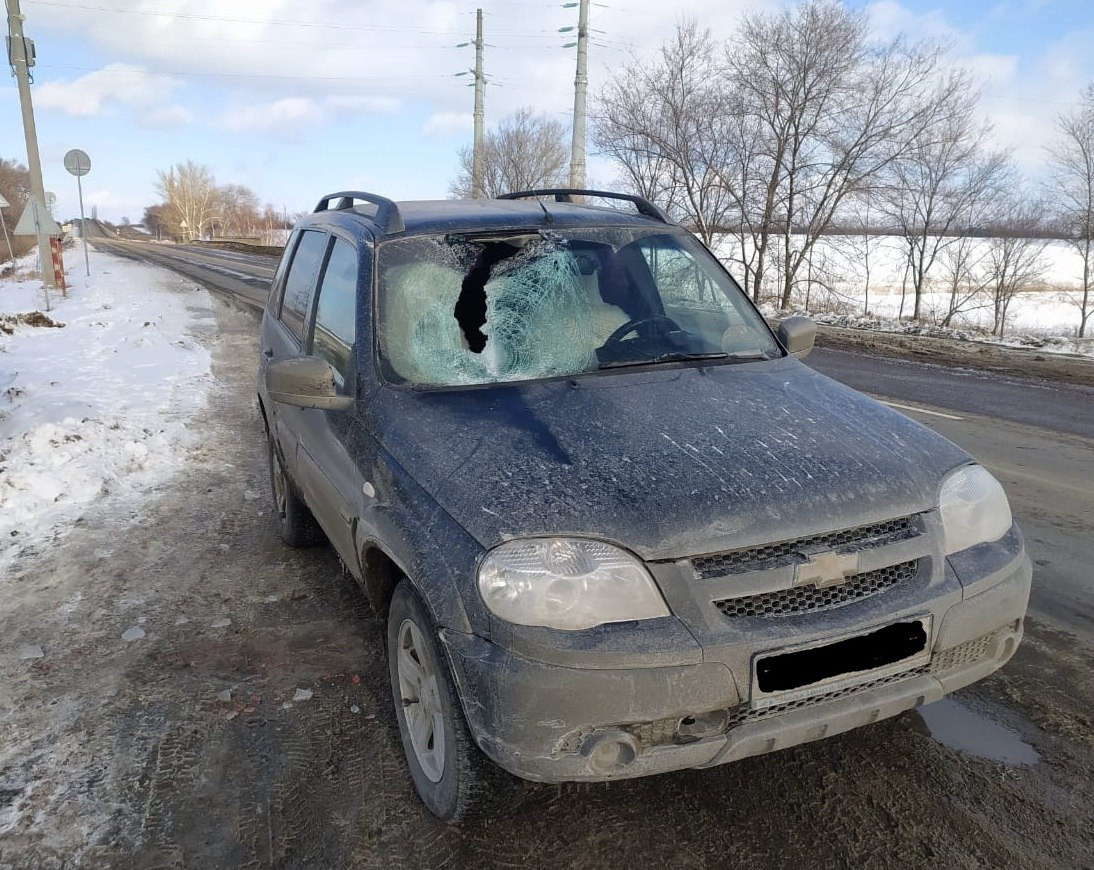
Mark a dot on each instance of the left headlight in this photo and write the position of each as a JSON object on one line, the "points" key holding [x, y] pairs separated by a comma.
{"points": [[567, 583], [974, 508]]}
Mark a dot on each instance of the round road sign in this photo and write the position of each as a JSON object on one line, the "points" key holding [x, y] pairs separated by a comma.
{"points": [[77, 162]]}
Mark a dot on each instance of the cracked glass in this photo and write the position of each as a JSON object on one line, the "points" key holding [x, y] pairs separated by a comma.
{"points": [[524, 305]]}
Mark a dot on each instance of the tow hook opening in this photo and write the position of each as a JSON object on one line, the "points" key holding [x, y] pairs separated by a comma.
{"points": [[701, 725]]}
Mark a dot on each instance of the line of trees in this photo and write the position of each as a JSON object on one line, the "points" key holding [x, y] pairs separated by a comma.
{"points": [[800, 122], [194, 206]]}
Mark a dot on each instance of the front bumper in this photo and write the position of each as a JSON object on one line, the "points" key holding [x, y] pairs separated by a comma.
{"points": [[550, 723]]}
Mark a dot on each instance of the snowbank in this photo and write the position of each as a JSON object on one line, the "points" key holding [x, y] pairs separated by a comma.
{"points": [[95, 409]]}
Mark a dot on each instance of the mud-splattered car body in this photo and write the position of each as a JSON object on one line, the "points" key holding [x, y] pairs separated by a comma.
{"points": [[802, 540]]}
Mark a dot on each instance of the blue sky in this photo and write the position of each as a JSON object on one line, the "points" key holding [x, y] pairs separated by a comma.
{"points": [[296, 98]]}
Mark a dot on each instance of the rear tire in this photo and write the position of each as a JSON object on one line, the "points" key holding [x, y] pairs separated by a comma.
{"points": [[450, 773], [295, 522]]}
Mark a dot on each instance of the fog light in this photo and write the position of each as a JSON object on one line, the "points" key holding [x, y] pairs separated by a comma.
{"points": [[608, 752]]}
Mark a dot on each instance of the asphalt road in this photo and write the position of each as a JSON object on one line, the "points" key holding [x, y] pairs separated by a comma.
{"points": [[1060, 407], [245, 277]]}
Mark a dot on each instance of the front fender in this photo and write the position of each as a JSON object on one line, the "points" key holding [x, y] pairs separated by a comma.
{"points": [[429, 547]]}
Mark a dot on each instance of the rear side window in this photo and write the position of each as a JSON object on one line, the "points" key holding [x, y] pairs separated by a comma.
{"points": [[301, 280], [336, 312]]}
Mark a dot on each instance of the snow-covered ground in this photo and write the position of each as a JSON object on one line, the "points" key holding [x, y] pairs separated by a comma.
{"points": [[95, 410], [1045, 315]]}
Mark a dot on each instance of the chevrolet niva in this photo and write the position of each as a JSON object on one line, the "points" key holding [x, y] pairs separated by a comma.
{"points": [[614, 525]]}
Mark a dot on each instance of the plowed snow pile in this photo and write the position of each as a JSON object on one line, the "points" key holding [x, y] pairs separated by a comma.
{"points": [[95, 395]]}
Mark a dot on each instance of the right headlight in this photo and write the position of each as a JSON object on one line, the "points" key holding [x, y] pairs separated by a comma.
{"points": [[974, 508], [567, 583]]}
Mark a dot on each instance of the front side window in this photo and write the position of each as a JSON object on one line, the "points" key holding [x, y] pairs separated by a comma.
{"points": [[500, 307], [336, 310], [300, 281], [277, 285]]}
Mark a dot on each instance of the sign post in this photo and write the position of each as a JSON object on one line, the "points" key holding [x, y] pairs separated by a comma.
{"points": [[79, 164], [11, 251], [36, 221]]}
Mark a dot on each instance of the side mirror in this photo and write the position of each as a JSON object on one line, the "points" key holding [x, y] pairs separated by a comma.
{"points": [[797, 335], [307, 382]]}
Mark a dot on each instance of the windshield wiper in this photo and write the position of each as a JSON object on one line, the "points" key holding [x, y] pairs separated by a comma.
{"points": [[671, 356], [749, 354]]}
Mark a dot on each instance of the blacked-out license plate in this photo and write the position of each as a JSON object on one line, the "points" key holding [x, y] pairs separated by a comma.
{"points": [[884, 650]]}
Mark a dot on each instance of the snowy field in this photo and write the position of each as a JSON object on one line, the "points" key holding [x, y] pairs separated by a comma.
{"points": [[1045, 315], [97, 406]]}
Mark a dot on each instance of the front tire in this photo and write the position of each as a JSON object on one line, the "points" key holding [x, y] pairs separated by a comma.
{"points": [[451, 775]]}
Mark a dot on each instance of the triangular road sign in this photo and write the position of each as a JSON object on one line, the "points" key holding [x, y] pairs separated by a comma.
{"points": [[3, 202], [35, 216]]}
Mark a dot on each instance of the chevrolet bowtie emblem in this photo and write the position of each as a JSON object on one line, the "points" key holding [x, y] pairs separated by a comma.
{"points": [[826, 569]]}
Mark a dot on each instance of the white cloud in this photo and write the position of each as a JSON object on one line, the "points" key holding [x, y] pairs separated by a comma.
{"points": [[370, 104], [447, 123], [290, 116], [998, 69], [377, 56], [167, 116], [285, 116], [93, 94]]}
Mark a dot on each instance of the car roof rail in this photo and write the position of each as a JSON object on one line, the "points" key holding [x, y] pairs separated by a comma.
{"points": [[388, 217], [566, 194]]}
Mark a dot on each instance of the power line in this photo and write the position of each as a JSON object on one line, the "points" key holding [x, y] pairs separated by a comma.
{"points": [[186, 74], [276, 22]]}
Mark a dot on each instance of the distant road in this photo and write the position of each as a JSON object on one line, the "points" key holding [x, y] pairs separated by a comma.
{"points": [[1036, 436], [245, 277], [1048, 404]]}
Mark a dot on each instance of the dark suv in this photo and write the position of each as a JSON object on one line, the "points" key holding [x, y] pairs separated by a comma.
{"points": [[615, 526]]}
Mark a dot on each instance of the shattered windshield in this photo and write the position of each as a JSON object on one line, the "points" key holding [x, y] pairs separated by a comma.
{"points": [[521, 305]]}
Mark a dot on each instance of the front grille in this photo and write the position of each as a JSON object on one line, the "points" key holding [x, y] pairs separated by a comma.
{"points": [[964, 654], [807, 599], [796, 551], [743, 714], [967, 653]]}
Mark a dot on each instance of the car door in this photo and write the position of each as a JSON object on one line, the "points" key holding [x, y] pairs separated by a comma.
{"points": [[285, 333], [327, 472]]}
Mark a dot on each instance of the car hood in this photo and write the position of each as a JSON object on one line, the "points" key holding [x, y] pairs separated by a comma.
{"points": [[667, 462]]}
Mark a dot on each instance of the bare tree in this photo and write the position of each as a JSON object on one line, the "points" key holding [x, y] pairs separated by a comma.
{"points": [[237, 211], [190, 193], [1072, 189], [945, 182], [157, 220], [831, 110], [1014, 260], [525, 151], [668, 124], [15, 188], [965, 278]]}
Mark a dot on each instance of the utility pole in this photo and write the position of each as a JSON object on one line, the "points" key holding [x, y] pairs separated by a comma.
{"points": [[21, 58], [480, 88], [581, 85]]}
